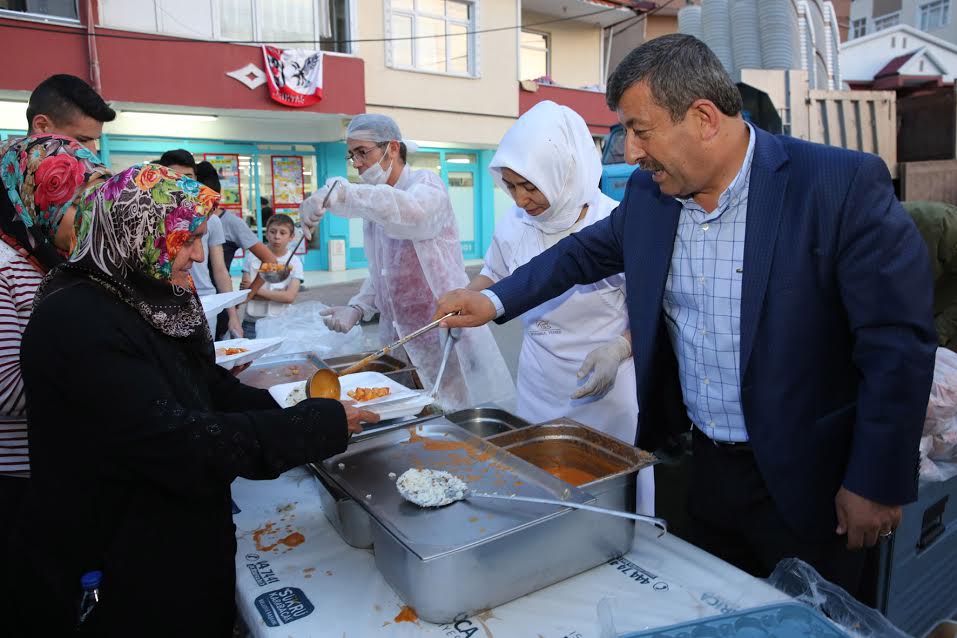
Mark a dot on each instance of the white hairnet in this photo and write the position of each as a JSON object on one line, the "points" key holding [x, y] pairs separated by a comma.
{"points": [[551, 146], [372, 127]]}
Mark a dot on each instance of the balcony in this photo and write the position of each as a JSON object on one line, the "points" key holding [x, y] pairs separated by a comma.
{"points": [[601, 13], [153, 69], [587, 103]]}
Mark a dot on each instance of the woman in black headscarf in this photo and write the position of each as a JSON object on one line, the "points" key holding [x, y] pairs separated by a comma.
{"points": [[134, 450]]}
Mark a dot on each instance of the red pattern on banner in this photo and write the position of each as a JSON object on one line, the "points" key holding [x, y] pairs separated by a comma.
{"points": [[302, 68]]}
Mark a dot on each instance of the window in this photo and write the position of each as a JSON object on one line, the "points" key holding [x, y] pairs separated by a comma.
{"points": [[859, 28], [536, 59], [432, 35], [289, 23], [887, 21], [65, 9], [934, 15]]}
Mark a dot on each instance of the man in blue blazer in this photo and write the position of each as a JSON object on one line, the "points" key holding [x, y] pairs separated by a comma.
{"points": [[780, 302]]}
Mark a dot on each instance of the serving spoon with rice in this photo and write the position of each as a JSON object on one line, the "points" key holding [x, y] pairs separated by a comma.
{"points": [[436, 488]]}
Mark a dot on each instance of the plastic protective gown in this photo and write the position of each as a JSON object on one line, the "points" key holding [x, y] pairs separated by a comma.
{"points": [[551, 147], [412, 244]]}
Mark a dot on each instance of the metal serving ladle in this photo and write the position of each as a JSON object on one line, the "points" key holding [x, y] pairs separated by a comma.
{"points": [[324, 383], [451, 489]]}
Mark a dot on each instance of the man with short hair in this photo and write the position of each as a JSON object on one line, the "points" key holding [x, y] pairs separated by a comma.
{"points": [[66, 105], [412, 244], [779, 300], [180, 160]]}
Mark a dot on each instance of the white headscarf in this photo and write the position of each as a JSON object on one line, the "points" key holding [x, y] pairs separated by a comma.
{"points": [[551, 147]]}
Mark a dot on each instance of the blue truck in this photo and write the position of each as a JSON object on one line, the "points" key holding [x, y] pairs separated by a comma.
{"points": [[615, 171]]}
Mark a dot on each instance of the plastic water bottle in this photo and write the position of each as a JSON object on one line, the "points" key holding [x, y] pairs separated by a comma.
{"points": [[90, 581]]}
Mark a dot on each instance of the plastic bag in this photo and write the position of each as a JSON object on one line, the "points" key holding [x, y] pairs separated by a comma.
{"points": [[938, 446], [303, 330], [942, 405], [801, 581]]}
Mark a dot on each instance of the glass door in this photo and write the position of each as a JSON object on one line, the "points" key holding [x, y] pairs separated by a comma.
{"points": [[460, 176]]}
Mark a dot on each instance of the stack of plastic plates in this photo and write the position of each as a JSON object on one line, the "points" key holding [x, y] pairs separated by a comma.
{"points": [[777, 24], [745, 42], [716, 30], [689, 21]]}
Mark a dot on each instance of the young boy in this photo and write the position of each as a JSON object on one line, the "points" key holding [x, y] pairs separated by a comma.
{"points": [[271, 299]]}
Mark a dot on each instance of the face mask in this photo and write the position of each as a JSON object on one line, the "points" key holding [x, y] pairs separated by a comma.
{"points": [[375, 174]]}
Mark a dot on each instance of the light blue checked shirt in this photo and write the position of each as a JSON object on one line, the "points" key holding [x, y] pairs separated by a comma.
{"points": [[702, 305]]}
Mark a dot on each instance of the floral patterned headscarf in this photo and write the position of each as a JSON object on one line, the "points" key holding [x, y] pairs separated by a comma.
{"points": [[43, 176], [130, 229]]}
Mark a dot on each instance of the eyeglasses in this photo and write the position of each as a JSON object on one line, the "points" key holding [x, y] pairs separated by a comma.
{"points": [[359, 155]]}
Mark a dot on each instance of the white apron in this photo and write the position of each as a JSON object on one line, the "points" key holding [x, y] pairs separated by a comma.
{"points": [[560, 333]]}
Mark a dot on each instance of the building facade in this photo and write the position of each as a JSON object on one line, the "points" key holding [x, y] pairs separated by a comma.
{"points": [[934, 17], [455, 74], [163, 65], [456, 96]]}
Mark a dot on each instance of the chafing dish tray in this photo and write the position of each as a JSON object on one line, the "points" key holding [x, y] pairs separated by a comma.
{"points": [[486, 421], [392, 367], [424, 553], [350, 520], [275, 369], [599, 463]]}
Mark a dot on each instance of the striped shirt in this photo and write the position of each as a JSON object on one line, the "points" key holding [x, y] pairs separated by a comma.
{"points": [[19, 281], [702, 305]]}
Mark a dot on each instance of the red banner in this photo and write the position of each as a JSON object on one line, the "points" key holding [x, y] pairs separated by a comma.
{"points": [[294, 75]]}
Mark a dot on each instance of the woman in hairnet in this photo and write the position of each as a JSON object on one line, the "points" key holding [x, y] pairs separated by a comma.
{"points": [[576, 351], [412, 245]]}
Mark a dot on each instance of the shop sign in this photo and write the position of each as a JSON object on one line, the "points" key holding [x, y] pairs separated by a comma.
{"points": [[228, 168], [294, 75], [288, 188]]}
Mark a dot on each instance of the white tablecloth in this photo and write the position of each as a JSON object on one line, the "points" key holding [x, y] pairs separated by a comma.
{"points": [[296, 577]]}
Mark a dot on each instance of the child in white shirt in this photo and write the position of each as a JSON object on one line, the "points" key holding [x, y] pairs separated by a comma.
{"points": [[272, 299]]}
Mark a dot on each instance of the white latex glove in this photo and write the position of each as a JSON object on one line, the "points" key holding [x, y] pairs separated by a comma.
{"points": [[340, 318], [311, 211], [602, 363]]}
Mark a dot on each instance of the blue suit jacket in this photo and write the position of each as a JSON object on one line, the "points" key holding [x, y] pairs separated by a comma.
{"points": [[837, 333]]}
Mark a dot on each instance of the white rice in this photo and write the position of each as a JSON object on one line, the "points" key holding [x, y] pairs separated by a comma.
{"points": [[297, 395], [430, 488]]}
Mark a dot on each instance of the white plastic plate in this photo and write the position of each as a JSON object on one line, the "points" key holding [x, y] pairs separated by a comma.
{"points": [[214, 304], [393, 408], [255, 348]]}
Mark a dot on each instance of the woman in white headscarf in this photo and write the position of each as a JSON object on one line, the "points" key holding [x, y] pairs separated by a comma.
{"points": [[576, 351], [412, 244]]}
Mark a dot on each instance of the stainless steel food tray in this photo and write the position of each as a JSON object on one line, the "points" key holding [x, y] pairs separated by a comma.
{"points": [[486, 421], [350, 520], [392, 367], [567, 442], [275, 369], [469, 556], [363, 472]]}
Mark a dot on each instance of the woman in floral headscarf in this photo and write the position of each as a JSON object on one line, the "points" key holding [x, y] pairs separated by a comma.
{"points": [[134, 452], [41, 178]]}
